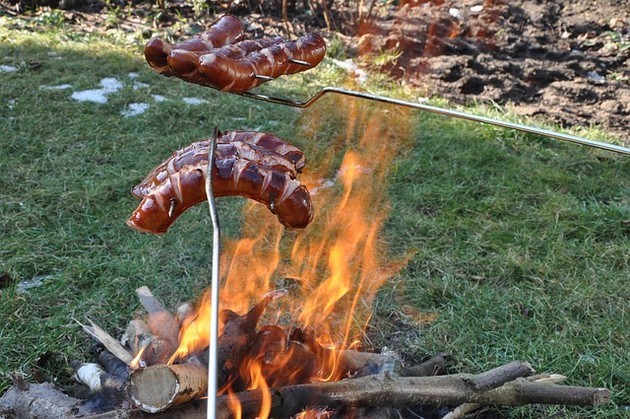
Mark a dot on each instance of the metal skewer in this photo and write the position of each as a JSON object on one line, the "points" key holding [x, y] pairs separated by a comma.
{"points": [[214, 290], [441, 111]]}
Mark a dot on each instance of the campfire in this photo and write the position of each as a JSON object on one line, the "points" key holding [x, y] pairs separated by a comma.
{"points": [[295, 303]]}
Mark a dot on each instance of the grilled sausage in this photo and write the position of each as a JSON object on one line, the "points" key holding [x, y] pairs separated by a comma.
{"points": [[250, 164], [221, 60], [226, 30], [244, 71]]}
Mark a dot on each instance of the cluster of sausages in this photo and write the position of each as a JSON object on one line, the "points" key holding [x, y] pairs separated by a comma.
{"points": [[255, 165], [247, 163], [220, 57]]}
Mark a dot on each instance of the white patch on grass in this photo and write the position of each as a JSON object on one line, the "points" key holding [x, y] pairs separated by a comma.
{"points": [[57, 87], [11, 104], [92, 95], [158, 98], [135, 109], [109, 85], [139, 85], [7, 68], [133, 75], [194, 101], [34, 282]]}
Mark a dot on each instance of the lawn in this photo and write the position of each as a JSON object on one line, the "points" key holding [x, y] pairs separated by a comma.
{"points": [[517, 246]]}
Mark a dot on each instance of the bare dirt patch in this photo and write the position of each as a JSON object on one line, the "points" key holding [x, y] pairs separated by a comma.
{"points": [[567, 61]]}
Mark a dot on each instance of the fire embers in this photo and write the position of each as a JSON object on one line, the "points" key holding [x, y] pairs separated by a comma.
{"points": [[221, 59], [255, 165]]}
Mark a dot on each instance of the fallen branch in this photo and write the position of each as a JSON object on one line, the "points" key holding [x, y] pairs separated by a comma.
{"points": [[466, 408], [385, 390]]}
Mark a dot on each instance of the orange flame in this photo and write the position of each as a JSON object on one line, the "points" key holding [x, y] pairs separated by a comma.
{"points": [[234, 406], [332, 269], [137, 362], [194, 334]]}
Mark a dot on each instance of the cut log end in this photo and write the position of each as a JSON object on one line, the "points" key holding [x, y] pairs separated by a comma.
{"points": [[156, 388]]}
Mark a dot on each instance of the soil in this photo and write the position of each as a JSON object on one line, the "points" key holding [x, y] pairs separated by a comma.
{"points": [[565, 60]]}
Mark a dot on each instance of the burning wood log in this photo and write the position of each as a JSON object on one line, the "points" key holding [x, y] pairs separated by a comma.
{"points": [[238, 334], [156, 388]]}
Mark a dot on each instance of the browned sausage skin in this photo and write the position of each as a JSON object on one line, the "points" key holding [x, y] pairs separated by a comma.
{"points": [[239, 75], [250, 164], [226, 30], [220, 58]]}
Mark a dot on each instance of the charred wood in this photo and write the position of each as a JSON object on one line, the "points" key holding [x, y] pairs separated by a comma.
{"points": [[239, 332], [113, 366]]}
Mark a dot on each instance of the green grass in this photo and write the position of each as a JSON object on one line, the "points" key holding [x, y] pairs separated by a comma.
{"points": [[520, 244]]}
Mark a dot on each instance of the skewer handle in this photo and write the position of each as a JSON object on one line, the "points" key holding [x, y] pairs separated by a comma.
{"points": [[214, 290], [446, 112]]}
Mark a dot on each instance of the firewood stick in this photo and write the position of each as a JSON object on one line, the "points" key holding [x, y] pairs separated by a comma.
{"points": [[432, 366], [353, 361], [108, 341], [522, 391], [90, 374], [387, 391], [114, 367], [501, 375], [95, 378], [156, 388], [183, 312], [161, 323], [466, 408], [382, 390]]}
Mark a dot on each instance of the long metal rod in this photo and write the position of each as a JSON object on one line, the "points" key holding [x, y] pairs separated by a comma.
{"points": [[214, 290], [447, 112]]}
